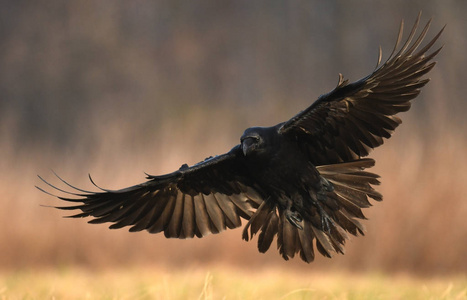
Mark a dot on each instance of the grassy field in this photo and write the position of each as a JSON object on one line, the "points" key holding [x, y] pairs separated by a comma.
{"points": [[222, 283]]}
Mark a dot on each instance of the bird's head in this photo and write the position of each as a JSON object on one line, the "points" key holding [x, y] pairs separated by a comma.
{"points": [[252, 141]]}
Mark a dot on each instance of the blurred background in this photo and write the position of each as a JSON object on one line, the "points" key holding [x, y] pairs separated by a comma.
{"points": [[118, 88]]}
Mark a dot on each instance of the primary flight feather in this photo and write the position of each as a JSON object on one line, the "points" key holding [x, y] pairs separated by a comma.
{"points": [[302, 182]]}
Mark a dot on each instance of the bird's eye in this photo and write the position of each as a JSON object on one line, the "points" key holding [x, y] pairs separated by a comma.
{"points": [[255, 139], [251, 139]]}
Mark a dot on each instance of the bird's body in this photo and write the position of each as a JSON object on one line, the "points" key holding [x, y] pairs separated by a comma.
{"points": [[280, 167], [302, 181]]}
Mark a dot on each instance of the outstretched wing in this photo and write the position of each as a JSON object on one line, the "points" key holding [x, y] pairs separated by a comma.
{"points": [[351, 120], [194, 201]]}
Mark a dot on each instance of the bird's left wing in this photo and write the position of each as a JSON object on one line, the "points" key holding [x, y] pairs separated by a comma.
{"points": [[194, 201], [345, 124]]}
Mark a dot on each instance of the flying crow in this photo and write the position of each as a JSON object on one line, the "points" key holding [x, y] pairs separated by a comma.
{"points": [[302, 181]]}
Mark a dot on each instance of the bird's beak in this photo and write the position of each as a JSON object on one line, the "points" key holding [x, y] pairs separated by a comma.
{"points": [[248, 144], [244, 148]]}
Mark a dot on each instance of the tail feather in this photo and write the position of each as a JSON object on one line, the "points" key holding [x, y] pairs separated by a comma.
{"points": [[350, 224], [323, 244], [341, 208], [306, 238], [287, 240], [349, 206], [256, 221], [268, 231]]}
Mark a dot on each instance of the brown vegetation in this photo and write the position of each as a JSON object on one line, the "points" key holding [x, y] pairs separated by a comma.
{"points": [[87, 93], [420, 225]]}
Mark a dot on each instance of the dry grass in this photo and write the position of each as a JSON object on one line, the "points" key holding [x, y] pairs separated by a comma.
{"points": [[419, 227], [89, 92], [222, 283]]}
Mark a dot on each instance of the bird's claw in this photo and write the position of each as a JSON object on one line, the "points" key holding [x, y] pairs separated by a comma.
{"points": [[325, 223], [294, 218], [325, 219]]}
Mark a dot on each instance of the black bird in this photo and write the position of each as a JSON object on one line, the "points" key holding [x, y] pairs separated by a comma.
{"points": [[303, 180]]}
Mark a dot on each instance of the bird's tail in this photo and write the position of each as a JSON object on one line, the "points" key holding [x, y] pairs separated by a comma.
{"points": [[337, 213]]}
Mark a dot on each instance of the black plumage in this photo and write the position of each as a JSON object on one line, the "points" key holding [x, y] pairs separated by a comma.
{"points": [[302, 182]]}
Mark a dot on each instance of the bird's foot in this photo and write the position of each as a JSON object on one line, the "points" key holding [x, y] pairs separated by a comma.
{"points": [[326, 221], [294, 218]]}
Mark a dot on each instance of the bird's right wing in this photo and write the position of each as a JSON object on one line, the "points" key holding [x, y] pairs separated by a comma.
{"points": [[194, 201], [347, 123]]}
